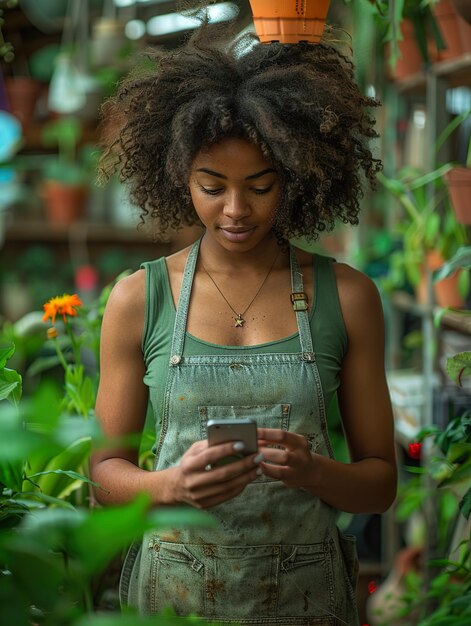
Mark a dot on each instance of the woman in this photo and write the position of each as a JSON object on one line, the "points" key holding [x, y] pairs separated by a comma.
{"points": [[259, 145]]}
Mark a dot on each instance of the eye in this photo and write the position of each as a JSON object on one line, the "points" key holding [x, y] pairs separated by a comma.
{"points": [[210, 192], [261, 190]]}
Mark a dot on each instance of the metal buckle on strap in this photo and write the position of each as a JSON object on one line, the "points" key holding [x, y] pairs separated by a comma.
{"points": [[299, 300]]}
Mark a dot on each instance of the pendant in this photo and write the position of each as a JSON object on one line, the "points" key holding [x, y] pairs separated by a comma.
{"points": [[239, 320]]}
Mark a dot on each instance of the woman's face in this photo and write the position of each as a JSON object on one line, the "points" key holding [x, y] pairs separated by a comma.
{"points": [[235, 192]]}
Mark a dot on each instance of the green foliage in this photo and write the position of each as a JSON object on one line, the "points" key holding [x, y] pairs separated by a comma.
{"points": [[55, 541], [53, 544], [71, 166], [458, 366], [10, 381], [449, 468], [6, 48], [389, 15], [428, 222]]}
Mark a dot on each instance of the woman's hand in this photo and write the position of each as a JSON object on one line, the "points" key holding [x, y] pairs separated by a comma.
{"points": [[293, 459], [198, 482]]}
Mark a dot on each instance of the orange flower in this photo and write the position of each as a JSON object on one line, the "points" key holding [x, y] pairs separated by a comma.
{"points": [[61, 305]]}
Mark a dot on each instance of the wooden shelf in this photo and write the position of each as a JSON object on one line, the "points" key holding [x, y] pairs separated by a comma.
{"points": [[451, 319], [99, 232], [457, 72]]}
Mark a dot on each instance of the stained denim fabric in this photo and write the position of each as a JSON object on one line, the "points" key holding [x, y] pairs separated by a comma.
{"points": [[276, 556]]}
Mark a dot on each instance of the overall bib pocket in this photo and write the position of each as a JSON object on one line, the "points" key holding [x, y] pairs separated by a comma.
{"points": [[265, 415]]}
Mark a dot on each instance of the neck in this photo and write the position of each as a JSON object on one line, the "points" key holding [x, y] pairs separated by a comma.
{"points": [[217, 258]]}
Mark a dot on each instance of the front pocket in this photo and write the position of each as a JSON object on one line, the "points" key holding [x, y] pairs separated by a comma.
{"points": [[241, 582], [350, 560], [176, 578], [306, 582], [265, 415]]}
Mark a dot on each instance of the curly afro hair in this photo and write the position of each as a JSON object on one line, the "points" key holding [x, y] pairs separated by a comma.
{"points": [[299, 103]]}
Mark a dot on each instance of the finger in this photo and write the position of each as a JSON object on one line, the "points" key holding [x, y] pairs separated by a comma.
{"points": [[279, 437], [279, 472], [197, 447], [212, 454], [276, 455], [199, 455], [211, 494]]}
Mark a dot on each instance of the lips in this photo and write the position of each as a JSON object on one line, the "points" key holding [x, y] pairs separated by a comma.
{"points": [[237, 233]]}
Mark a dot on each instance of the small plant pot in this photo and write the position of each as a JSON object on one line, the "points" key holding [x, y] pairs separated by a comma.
{"points": [[22, 95], [410, 60], [289, 21], [445, 291], [64, 203], [454, 29], [458, 180]]}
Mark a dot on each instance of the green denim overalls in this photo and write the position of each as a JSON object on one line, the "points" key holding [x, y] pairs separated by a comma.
{"points": [[276, 556]]}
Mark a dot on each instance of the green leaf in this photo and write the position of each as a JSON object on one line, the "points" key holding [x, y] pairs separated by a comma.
{"points": [[465, 504], [107, 531], [458, 366], [11, 474], [459, 452], [6, 352], [460, 260], [7, 388], [54, 476]]}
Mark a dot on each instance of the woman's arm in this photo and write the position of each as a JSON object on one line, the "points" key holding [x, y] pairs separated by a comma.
{"points": [[121, 408], [368, 483], [122, 396]]}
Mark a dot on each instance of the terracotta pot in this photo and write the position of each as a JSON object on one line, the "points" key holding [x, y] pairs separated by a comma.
{"points": [[445, 291], [289, 21], [455, 31], [410, 60], [459, 187], [64, 204], [22, 94]]}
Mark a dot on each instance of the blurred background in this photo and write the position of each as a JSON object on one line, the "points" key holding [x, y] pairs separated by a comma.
{"points": [[61, 233]]}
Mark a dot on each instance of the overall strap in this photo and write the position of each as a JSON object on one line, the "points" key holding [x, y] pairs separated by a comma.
{"points": [[179, 328], [302, 316]]}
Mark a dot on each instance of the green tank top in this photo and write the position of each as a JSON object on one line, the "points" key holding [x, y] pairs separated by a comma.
{"points": [[328, 332]]}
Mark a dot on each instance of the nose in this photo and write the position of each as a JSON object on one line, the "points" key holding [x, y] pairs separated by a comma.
{"points": [[236, 206]]}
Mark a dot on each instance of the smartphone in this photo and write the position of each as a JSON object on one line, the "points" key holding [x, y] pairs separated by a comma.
{"points": [[222, 431]]}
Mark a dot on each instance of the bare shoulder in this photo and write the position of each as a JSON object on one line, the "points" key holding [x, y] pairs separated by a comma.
{"points": [[359, 297], [126, 304], [129, 292]]}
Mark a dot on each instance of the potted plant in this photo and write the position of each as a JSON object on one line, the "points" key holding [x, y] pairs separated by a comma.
{"points": [[430, 234], [458, 177], [408, 27], [458, 366], [66, 178], [289, 22]]}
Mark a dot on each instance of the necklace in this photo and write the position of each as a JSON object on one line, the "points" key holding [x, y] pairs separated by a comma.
{"points": [[239, 317]]}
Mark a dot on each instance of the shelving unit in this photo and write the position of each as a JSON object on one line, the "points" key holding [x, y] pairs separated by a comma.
{"points": [[429, 88]]}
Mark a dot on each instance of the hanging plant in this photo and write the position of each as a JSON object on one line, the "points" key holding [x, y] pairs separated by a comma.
{"points": [[392, 15], [6, 48]]}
